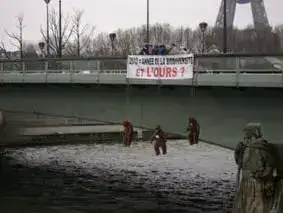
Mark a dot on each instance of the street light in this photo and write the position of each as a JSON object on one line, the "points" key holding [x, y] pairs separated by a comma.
{"points": [[60, 28], [41, 47], [47, 26], [224, 26], [112, 37], [203, 26], [147, 22]]}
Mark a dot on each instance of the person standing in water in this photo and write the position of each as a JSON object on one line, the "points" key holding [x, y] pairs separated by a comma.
{"points": [[159, 141], [193, 130], [128, 133]]}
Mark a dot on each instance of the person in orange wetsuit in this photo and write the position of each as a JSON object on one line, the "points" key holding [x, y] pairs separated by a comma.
{"points": [[128, 133], [160, 141], [194, 130]]}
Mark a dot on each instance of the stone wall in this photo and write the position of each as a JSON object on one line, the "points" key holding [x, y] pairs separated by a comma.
{"points": [[221, 112]]}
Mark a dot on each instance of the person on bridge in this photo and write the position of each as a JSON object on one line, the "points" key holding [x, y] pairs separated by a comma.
{"points": [[259, 186], [128, 133], [159, 141], [193, 130]]}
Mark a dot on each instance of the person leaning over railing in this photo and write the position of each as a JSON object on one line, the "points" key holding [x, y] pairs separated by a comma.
{"points": [[173, 50], [144, 51], [183, 50], [162, 50], [155, 50]]}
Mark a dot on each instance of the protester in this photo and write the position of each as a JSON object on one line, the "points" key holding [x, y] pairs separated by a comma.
{"points": [[173, 50], [128, 133], [144, 51], [155, 50], [193, 130], [162, 50], [159, 141], [183, 50]]}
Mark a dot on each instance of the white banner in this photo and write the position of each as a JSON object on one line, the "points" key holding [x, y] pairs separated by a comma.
{"points": [[170, 67]]}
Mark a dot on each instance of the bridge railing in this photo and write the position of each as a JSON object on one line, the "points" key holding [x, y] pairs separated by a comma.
{"points": [[212, 63], [264, 70]]}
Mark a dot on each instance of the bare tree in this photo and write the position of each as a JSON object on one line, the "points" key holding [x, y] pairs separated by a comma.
{"points": [[101, 45], [16, 39], [67, 32], [125, 43], [161, 33], [188, 38], [279, 31], [83, 33]]}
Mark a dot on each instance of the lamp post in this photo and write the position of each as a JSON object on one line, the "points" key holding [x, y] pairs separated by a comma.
{"points": [[112, 37], [60, 29], [203, 26], [47, 27], [224, 26], [147, 21], [41, 47]]}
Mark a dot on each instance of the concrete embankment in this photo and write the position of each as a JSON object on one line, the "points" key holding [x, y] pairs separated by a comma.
{"points": [[69, 134]]}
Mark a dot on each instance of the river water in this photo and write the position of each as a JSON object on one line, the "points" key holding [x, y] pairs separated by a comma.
{"points": [[113, 178]]}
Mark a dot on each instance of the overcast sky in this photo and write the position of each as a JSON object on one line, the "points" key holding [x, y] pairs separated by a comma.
{"points": [[109, 15]]}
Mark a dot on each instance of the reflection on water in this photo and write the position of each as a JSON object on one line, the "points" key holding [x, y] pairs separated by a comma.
{"points": [[112, 178]]}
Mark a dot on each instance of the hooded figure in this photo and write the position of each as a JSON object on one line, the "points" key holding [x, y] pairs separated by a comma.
{"points": [[128, 133], [258, 190], [183, 50], [173, 50], [159, 141], [194, 130]]}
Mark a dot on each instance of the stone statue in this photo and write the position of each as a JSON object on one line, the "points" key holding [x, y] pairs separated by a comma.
{"points": [[259, 184]]}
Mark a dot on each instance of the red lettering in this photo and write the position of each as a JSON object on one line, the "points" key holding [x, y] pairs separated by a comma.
{"points": [[138, 72], [168, 72], [182, 70], [148, 72], [162, 72], [174, 72], [156, 72], [159, 72]]}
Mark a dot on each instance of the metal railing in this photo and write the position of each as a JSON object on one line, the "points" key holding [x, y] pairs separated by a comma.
{"points": [[217, 64]]}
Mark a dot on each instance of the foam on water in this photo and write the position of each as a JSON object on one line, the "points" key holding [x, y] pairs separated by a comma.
{"points": [[194, 178], [200, 160]]}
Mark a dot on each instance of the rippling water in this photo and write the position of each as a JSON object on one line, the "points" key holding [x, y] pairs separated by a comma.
{"points": [[113, 178]]}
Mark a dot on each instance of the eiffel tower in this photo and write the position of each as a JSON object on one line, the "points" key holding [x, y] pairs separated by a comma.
{"points": [[258, 12]]}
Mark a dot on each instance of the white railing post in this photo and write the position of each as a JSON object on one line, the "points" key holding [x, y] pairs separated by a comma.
{"points": [[238, 70], [23, 71], [98, 71], [159, 85], [46, 68], [71, 71], [195, 72], [1, 66], [2, 72]]}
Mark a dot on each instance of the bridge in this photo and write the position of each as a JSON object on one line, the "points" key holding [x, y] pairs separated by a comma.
{"points": [[240, 70], [97, 88]]}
